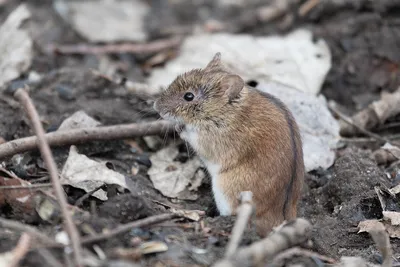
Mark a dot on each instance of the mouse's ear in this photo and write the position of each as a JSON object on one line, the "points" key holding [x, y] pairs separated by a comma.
{"points": [[215, 62], [232, 85]]}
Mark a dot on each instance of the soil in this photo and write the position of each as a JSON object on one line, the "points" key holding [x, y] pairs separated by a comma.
{"points": [[364, 40]]}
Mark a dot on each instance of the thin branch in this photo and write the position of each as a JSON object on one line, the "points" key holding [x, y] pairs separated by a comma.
{"points": [[288, 235], [152, 47], [20, 227], [126, 227], [47, 156], [349, 121], [80, 200], [305, 8], [20, 250], [243, 215], [75, 136], [296, 251], [31, 186]]}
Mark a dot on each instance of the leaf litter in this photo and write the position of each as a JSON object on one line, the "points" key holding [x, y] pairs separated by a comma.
{"points": [[172, 178], [82, 172], [189, 185], [16, 46]]}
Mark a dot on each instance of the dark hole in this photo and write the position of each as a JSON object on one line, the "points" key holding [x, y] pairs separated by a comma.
{"points": [[371, 208], [278, 61], [318, 55], [110, 165], [252, 83]]}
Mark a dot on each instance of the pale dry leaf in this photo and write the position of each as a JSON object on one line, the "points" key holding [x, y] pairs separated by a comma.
{"points": [[78, 120], [395, 190], [16, 46], [392, 216], [153, 247], [371, 225], [173, 178], [318, 128], [112, 21], [352, 262], [193, 215], [394, 150], [393, 231], [6, 258], [198, 179], [82, 172], [388, 106], [368, 225], [294, 59]]}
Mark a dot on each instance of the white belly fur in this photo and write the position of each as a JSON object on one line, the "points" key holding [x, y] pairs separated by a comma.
{"points": [[222, 202], [191, 135]]}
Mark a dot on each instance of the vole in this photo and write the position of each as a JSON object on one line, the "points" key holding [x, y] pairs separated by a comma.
{"points": [[247, 139]]}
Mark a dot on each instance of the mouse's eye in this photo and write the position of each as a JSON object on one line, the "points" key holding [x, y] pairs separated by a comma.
{"points": [[188, 96]]}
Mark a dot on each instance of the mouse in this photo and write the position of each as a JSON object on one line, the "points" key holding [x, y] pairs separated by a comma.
{"points": [[247, 139]]}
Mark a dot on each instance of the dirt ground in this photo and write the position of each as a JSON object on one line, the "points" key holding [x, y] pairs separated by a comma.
{"points": [[364, 39]]}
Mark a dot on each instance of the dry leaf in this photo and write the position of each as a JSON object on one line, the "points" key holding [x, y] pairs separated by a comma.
{"points": [[371, 225], [78, 120], [394, 150], [395, 190], [318, 128], [16, 46], [392, 216], [20, 199], [295, 59], [172, 178], [6, 258], [145, 248], [81, 172], [193, 215], [368, 225], [112, 21], [153, 247], [375, 114]]}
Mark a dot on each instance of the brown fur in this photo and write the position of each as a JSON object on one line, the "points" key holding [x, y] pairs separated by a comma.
{"points": [[252, 135]]}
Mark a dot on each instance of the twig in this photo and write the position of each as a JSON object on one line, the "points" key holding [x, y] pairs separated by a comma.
{"points": [[361, 129], [75, 136], [296, 251], [31, 186], [20, 250], [305, 8], [20, 227], [47, 156], [243, 214], [152, 47], [381, 239], [289, 235], [126, 227], [79, 201]]}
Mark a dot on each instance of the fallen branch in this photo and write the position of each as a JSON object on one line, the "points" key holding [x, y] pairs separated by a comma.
{"points": [[243, 215], [289, 235], [75, 136], [20, 227], [152, 47], [381, 239], [47, 156], [126, 227], [361, 129], [279, 260], [374, 115], [31, 186]]}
